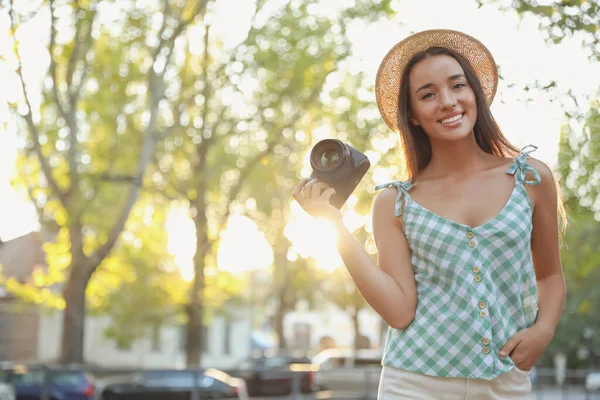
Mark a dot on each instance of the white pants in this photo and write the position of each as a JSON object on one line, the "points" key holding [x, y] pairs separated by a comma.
{"points": [[396, 384]]}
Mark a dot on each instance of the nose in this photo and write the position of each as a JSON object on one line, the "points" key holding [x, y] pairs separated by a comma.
{"points": [[447, 99]]}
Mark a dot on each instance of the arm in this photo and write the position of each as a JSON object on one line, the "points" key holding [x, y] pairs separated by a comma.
{"points": [[389, 288], [544, 248], [526, 346]]}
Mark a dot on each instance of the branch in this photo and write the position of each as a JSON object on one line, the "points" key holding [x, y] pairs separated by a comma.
{"points": [[53, 75], [259, 5], [200, 6], [256, 160], [166, 13], [39, 210], [76, 46], [206, 91], [202, 148], [156, 88], [119, 178], [97, 180], [74, 92], [55, 189]]}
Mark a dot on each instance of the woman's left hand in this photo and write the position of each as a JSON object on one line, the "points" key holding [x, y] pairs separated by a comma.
{"points": [[526, 346]]}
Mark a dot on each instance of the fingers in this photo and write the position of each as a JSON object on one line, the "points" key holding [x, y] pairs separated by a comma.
{"points": [[509, 346], [315, 189], [523, 367], [312, 190], [297, 191], [327, 194]]}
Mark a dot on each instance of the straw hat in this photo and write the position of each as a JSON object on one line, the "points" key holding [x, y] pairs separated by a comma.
{"points": [[389, 75]]}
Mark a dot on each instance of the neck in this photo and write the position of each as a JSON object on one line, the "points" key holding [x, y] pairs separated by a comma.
{"points": [[455, 158]]}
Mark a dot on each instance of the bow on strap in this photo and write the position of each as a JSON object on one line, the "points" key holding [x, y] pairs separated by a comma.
{"points": [[519, 166], [403, 188]]}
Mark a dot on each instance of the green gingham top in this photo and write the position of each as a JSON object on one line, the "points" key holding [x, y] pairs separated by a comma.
{"points": [[476, 286]]}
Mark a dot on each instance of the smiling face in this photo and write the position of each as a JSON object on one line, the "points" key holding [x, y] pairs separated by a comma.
{"points": [[441, 100]]}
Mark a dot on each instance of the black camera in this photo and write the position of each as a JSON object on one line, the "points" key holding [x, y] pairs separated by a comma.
{"points": [[340, 166]]}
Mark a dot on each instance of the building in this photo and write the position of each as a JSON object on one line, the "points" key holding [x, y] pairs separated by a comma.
{"points": [[329, 326], [19, 323], [30, 334]]}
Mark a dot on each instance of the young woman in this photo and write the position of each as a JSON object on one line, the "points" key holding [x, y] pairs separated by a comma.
{"points": [[468, 274]]}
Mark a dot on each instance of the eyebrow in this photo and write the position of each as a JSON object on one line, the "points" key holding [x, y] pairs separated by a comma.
{"points": [[451, 78]]}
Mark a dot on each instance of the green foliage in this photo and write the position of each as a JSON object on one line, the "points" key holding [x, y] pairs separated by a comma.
{"points": [[581, 264], [342, 292], [579, 151], [138, 285], [243, 118], [234, 125], [564, 18], [88, 124]]}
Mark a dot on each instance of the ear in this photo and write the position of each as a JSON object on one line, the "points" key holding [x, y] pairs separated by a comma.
{"points": [[414, 121]]}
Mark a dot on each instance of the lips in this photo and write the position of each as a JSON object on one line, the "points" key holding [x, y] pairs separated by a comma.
{"points": [[452, 119]]}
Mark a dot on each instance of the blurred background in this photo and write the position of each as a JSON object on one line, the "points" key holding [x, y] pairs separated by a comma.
{"points": [[148, 149]]}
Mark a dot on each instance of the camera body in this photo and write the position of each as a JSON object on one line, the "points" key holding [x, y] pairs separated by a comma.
{"points": [[339, 165]]}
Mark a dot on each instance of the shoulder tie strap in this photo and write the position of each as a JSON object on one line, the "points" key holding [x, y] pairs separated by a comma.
{"points": [[519, 166], [403, 188]]}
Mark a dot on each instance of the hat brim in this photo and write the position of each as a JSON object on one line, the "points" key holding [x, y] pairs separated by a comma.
{"points": [[389, 75]]}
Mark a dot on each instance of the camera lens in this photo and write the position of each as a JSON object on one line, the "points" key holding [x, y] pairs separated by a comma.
{"points": [[330, 158], [327, 155]]}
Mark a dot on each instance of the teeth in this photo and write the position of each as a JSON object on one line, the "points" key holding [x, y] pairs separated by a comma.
{"points": [[453, 119]]}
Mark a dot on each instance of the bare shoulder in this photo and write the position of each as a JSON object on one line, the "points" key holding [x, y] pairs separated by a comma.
{"points": [[384, 207], [385, 197], [542, 168], [546, 189], [385, 201]]}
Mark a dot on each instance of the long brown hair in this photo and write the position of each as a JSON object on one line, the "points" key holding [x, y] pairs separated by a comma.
{"points": [[415, 142]]}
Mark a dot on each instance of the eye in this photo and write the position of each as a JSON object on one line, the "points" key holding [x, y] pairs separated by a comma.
{"points": [[426, 96], [458, 85]]}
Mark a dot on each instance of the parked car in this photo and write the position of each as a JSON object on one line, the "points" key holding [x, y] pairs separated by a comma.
{"points": [[6, 392], [71, 385], [174, 385], [592, 381], [347, 369], [274, 374]]}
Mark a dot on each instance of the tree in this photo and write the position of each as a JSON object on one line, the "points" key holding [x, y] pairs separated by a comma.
{"points": [[349, 113], [139, 285], [579, 152], [579, 172], [236, 114], [581, 263], [342, 292], [564, 18], [92, 121]]}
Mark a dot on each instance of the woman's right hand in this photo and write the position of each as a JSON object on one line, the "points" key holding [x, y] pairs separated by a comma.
{"points": [[313, 196]]}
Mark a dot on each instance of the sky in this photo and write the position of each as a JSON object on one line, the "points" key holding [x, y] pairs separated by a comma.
{"points": [[516, 44]]}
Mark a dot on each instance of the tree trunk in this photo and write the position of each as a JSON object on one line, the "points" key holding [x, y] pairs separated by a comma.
{"points": [[282, 276], [74, 316], [195, 308], [357, 338], [195, 313], [279, 315]]}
